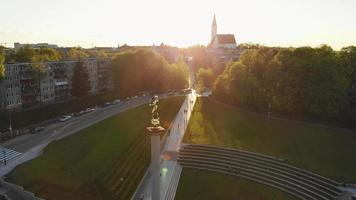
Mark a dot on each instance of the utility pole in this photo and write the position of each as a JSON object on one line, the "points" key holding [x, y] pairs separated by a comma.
{"points": [[10, 123], [269, 111]]}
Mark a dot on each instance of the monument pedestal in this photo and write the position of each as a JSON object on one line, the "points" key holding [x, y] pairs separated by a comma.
{"points": [[155, 133]]}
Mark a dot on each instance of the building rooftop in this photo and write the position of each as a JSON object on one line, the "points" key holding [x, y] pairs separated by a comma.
{"points": [[226, 39]]}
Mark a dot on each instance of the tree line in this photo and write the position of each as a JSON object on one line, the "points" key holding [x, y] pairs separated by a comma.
{"points": [[304, 83], [142, 70], [133, 71], [29, 54]]}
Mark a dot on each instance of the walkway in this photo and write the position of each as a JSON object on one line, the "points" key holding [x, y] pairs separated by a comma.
{"points": [[170, 150]]}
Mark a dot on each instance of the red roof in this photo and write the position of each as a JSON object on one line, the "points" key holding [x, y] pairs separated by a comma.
{"points": [[226, 39]]}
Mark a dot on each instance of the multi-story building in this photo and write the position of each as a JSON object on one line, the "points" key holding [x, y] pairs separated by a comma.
{"points": [[18, 46], [25, 88], [11, 93], [104, 78]]}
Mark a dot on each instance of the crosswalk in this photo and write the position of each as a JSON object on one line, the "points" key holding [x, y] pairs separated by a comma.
{"points": [[7, 154]]}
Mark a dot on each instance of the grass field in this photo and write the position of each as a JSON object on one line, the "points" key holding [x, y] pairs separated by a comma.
{"points": [[203, 185], [104, 161], [326, 151]]}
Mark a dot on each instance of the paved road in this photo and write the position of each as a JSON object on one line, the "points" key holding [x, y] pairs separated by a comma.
{"points": [[31, 145]]}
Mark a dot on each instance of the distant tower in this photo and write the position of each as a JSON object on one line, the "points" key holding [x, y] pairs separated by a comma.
{"points": [[214, 29]]}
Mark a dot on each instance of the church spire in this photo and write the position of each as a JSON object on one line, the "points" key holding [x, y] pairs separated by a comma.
{"points": [[214, 29], [214, 21]]}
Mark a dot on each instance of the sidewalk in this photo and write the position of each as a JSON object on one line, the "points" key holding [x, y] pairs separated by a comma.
{"points": [[170, 149]]}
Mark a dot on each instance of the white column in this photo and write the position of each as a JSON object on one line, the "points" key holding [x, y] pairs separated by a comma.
{"points": [[155, 166]]}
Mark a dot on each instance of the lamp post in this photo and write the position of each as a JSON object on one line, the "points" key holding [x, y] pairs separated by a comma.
{"points": [[155, 131], [10, 122]]}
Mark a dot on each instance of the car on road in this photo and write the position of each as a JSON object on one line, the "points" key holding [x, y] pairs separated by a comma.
{"points": [[107, 104], [4, 130], [116, 101], [77, 114], [88, 110], [135, 97], [65, 118], [38, 129]]}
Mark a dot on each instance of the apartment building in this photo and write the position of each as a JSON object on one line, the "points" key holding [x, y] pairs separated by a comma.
{"points": [[24, 88]]}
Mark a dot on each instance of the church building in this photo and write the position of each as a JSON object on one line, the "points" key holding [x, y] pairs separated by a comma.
{"points": [[221, 40], [222, 47]]}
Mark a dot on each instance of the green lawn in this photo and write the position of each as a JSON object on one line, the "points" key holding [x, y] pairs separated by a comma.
{"points": [[203, 185], [326, 151], [104, 161]]}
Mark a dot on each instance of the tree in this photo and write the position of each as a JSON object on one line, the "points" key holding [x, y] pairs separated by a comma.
{"points": [[39, 70], [80, 81], [28, 54], [143, 70], [347, 56], [205, 78], [2, 67], [200, 57], [77, 54], [302, 82]]}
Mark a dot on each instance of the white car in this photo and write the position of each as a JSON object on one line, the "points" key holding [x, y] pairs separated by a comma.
{"points": [[88, 110], [65, 118], [116, 101]]}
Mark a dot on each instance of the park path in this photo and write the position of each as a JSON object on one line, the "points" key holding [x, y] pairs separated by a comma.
{"points": [[170, 169]]}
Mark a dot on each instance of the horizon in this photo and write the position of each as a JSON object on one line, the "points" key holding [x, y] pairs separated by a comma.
{"points": [[178, 23]]}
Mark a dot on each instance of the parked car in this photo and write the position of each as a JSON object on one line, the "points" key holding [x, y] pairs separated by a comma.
{"points": [[88, 110], [116, 101], [107, 104], [4, 130], [38, 129], [135, 97], [77, 114], [65, 118]]}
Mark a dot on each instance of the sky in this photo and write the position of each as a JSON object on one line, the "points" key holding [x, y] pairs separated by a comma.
{"points": [[182, 23]]}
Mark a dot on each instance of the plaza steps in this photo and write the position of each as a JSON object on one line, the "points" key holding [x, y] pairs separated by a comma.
{"points": [[260, 168], [171, 192], [8, 154]]}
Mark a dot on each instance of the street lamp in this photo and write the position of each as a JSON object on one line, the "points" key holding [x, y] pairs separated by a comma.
{"points": [[10, 123], [155, 131]]}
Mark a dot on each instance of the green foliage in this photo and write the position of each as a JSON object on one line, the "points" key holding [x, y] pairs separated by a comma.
{"points": [[80, 81], [28, 54], [100, 54], [143, 70], [2, 67], [347, 56], [76, 54], [301, 82], [200, 57], [205, 78]]}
